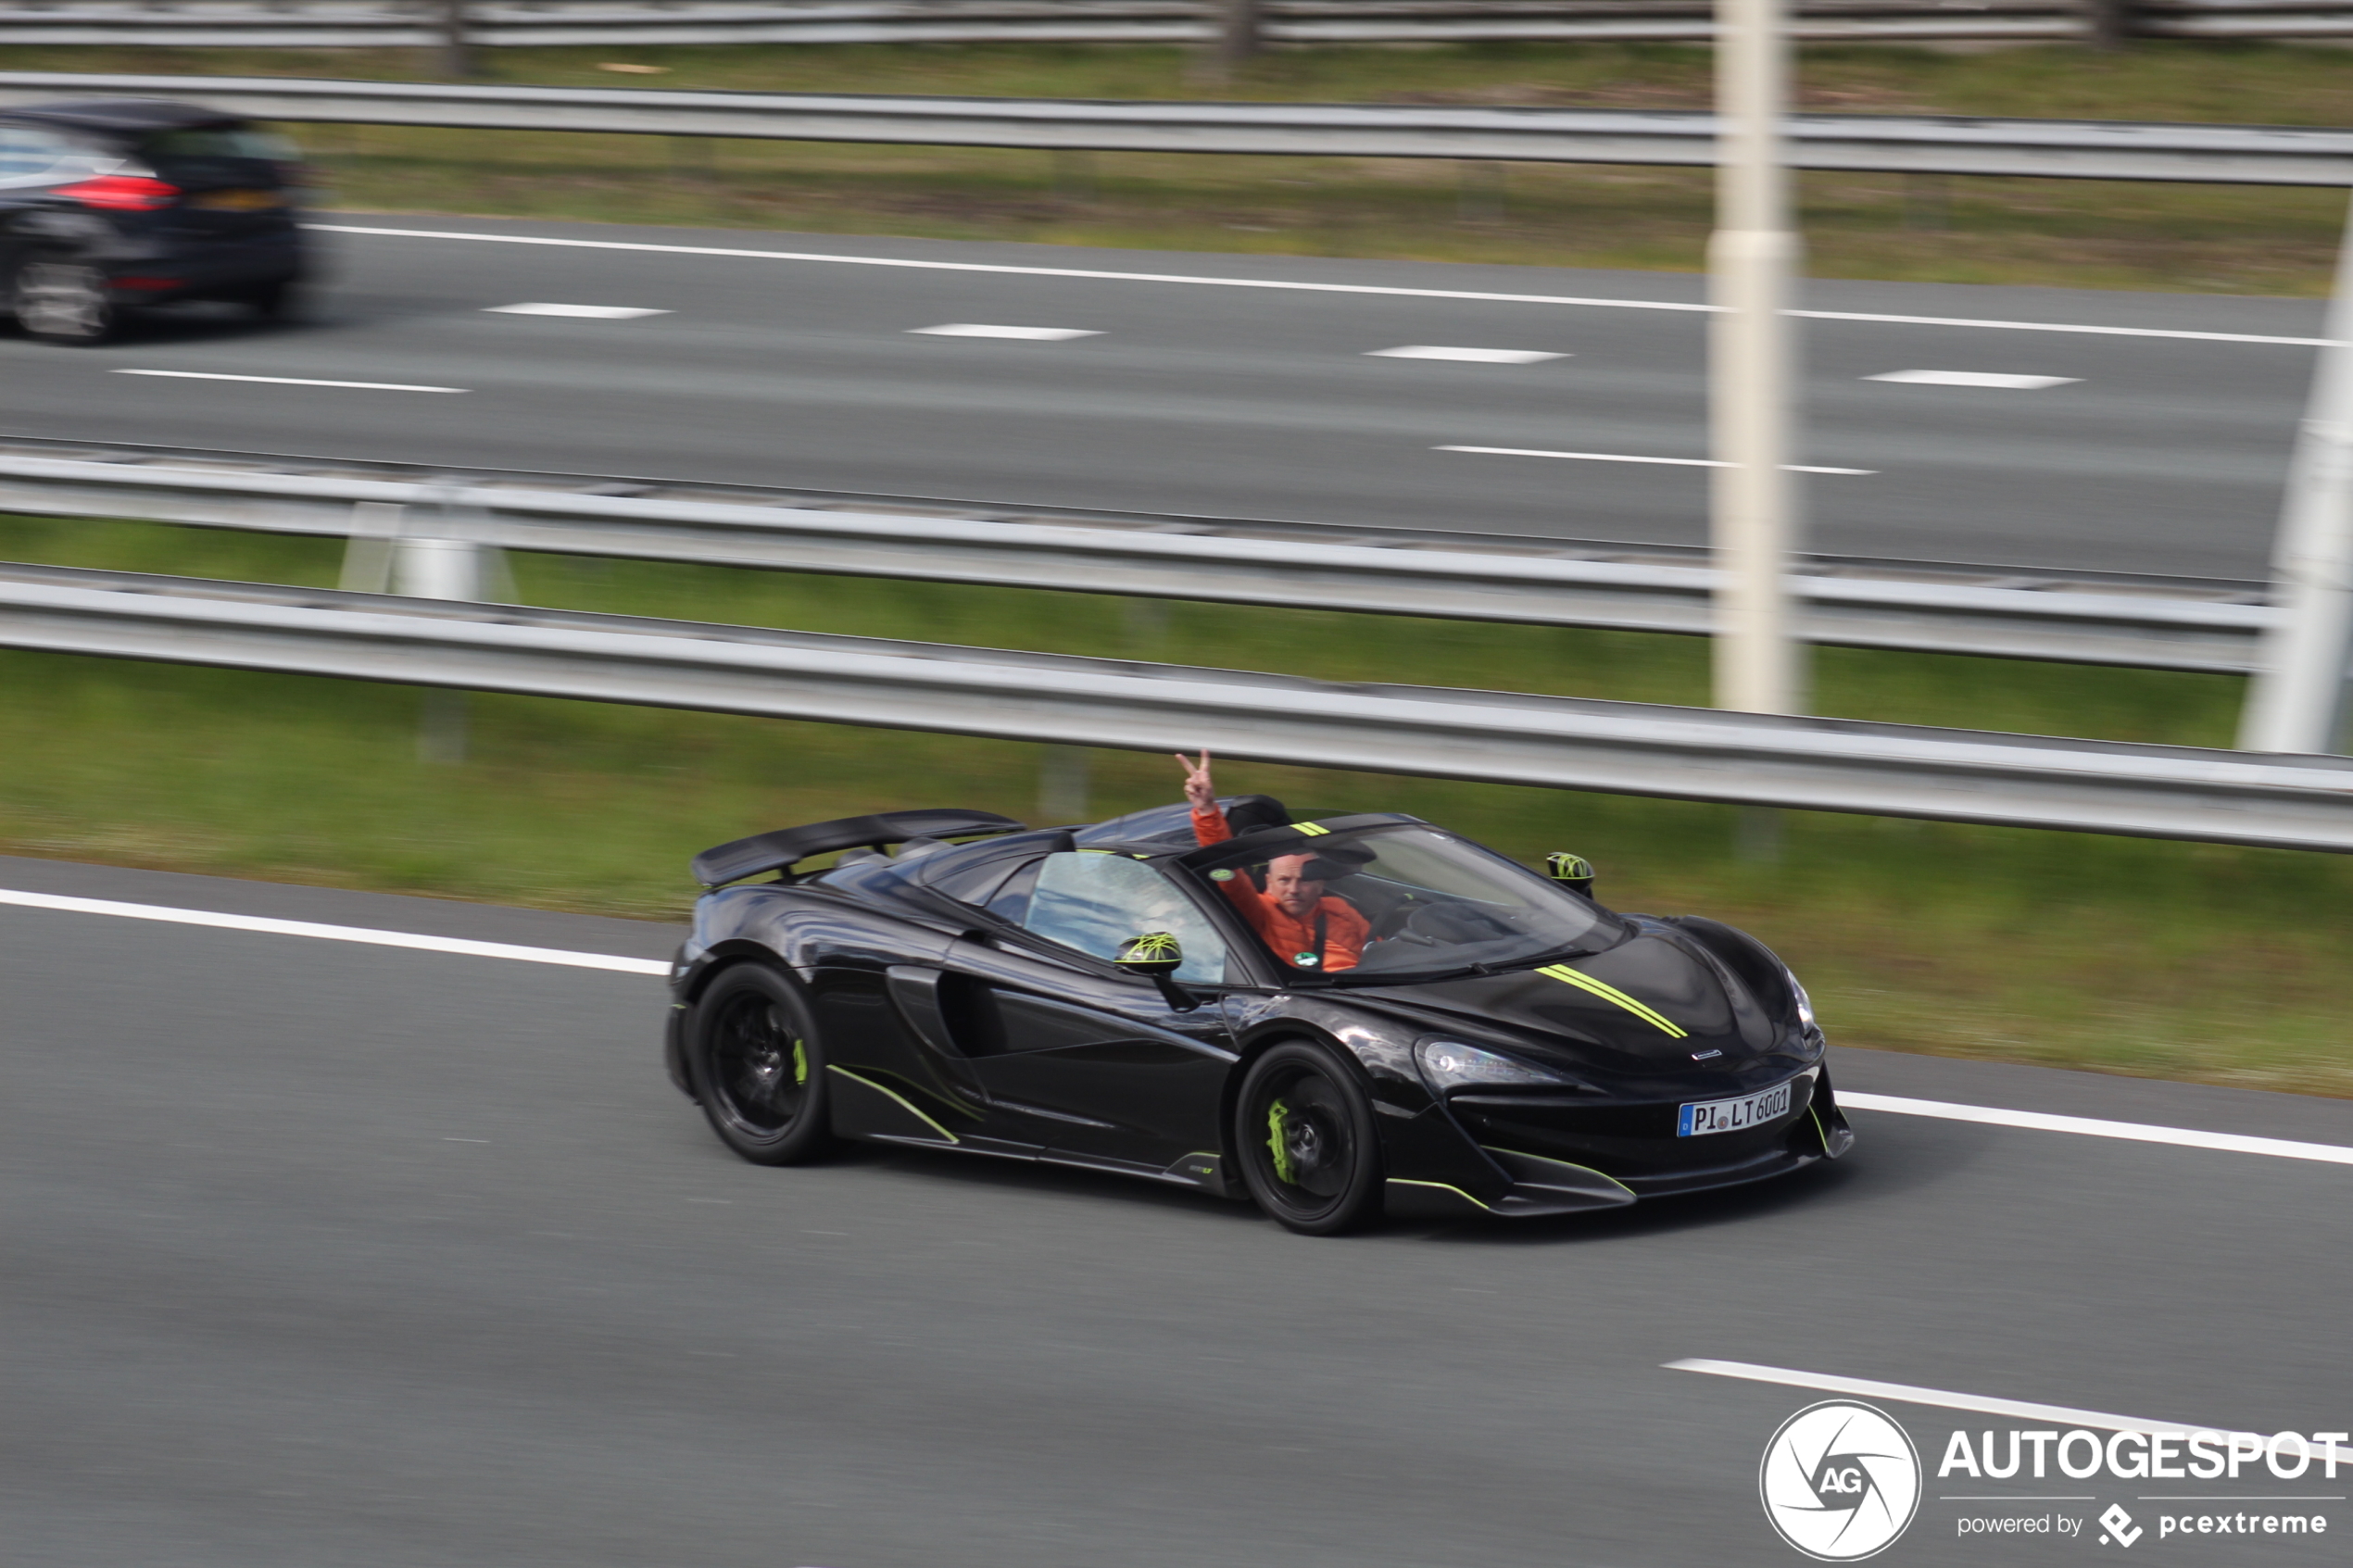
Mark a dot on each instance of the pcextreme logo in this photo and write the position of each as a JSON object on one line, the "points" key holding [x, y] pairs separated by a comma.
{"points": [[1840, 1480]]}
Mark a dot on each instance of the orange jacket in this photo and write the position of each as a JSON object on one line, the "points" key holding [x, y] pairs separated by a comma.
{"points": [[1288, 938]]}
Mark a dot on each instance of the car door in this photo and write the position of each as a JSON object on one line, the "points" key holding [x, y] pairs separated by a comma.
{"points": [[1099, 1064]]}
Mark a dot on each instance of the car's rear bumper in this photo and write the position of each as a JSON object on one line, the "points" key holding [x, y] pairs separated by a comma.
{"points": [[213, 267]]}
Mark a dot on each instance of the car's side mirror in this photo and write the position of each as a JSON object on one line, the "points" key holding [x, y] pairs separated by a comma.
{"points": [[1156, 956], [1572, 871]]}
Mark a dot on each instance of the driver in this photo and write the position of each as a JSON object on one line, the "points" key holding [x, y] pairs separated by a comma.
{"points": [[1299, 924]]}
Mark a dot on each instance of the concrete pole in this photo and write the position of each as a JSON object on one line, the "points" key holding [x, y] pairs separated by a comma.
{"points": [[1753, 367], [441, 569], [367, 557], [2296, 702], [457, 55], [1237, 37]]}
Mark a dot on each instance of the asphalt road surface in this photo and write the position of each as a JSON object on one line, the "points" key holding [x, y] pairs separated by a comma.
{"points": [[325, 1254], [1218, 386]]}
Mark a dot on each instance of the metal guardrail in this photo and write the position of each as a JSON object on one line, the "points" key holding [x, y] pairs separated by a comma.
{"points": [[2150, 623], [1628, 749], [388, 23], [2068, 149]]}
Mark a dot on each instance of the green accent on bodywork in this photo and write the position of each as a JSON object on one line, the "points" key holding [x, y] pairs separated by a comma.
{"points": [[908, 1105], [1441, 1187], [800, 1065], [1275, 1115], [1311, 831], [1607, 993], [1563, 1164], [1819, 1131], [1561, 866]]}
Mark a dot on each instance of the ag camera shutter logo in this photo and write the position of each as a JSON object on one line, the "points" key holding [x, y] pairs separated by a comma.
{"points": [[1840, 1481]]}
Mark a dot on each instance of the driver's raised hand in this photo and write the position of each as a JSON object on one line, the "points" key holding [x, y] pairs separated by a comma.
{"points": [[1200, 794]]}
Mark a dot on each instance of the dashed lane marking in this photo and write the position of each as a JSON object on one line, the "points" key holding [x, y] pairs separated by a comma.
{"points": [[1021, 334], [585, 312], [1624, 458], [1466, 355], [217, 920], [1988, 379], [1294, 286], [293, 381], [2092, 1127]]}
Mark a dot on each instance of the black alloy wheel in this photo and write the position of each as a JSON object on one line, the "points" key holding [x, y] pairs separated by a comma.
{"points": [[1304, 1130], [756, 1067], [63, 301]]}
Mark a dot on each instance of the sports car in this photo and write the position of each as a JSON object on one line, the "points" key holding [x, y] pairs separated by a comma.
{"points": [[1094, 996]]}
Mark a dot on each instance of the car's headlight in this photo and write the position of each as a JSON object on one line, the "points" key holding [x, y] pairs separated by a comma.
{"points": [[1805, 1019], [1449, 1064]]}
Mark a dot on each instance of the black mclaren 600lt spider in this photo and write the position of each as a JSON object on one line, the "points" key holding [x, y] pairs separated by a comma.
{"points": [[1492, 1040]]}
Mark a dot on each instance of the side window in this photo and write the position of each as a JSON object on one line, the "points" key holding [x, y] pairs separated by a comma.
{"points": [[27, 156], [1094, 902]]}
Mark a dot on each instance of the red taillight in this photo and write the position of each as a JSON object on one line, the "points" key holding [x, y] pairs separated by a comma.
{"points": [[122, 193]]}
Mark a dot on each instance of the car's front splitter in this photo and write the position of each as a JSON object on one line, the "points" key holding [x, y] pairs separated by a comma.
{"points": [[1450, 1162]]}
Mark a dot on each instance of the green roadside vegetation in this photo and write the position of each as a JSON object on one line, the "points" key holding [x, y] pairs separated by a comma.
{"points": [[2094, 234], [2192, 961]]}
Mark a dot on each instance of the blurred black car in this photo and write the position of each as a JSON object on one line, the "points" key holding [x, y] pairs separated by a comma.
{"points": [[115, 204], [1503, 1045]]}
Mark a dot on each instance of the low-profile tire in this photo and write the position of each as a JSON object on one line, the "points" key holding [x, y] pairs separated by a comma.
{"points": [[281, 301], [1303, 1129], [61, 301], [753, 1058]]}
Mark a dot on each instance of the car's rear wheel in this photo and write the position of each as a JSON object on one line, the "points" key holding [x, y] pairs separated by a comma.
{"points": [[63, 301], [757, 1069], [1304, 1130], [281, 301]]}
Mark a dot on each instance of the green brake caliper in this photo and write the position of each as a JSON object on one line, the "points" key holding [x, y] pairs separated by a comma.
{"points": [[1275, 1113], [800, 1065]]}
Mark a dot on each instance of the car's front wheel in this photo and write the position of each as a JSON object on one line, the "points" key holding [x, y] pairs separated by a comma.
{"points": [[757, 1069], [63, 301], [1304, 1130]]}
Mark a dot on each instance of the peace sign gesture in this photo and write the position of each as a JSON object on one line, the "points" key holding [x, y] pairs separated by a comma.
{"points": [[1199, 792]]}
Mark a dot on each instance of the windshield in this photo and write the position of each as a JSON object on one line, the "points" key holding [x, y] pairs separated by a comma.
{"points": [[1429, 902]]}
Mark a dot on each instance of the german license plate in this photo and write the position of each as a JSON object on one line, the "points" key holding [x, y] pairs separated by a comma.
{"points": [[1733, 1115], [240, 201]]}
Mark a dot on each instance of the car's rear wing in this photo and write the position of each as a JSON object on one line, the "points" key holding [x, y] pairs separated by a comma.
{"points": [[778, 850]]}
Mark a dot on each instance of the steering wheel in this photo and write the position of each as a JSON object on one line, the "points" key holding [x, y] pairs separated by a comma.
{"points": [[1446, 922], [1393, 920]]}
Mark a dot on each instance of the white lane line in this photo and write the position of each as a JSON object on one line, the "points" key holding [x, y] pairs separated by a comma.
{"points": [[458, 945], [1944, 1399], [1992, 379], [1466, 355], [585, 312], [2092, 1127], [293, 381], [1622, 458], [1023, 334], [1291, 285]]}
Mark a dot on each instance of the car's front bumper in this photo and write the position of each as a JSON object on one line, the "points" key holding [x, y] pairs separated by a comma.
{"points": [[1523, 1156]]}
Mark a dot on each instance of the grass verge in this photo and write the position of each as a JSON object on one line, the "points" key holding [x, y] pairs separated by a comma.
{"points": [[2191, 961], [2193, 238]]}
